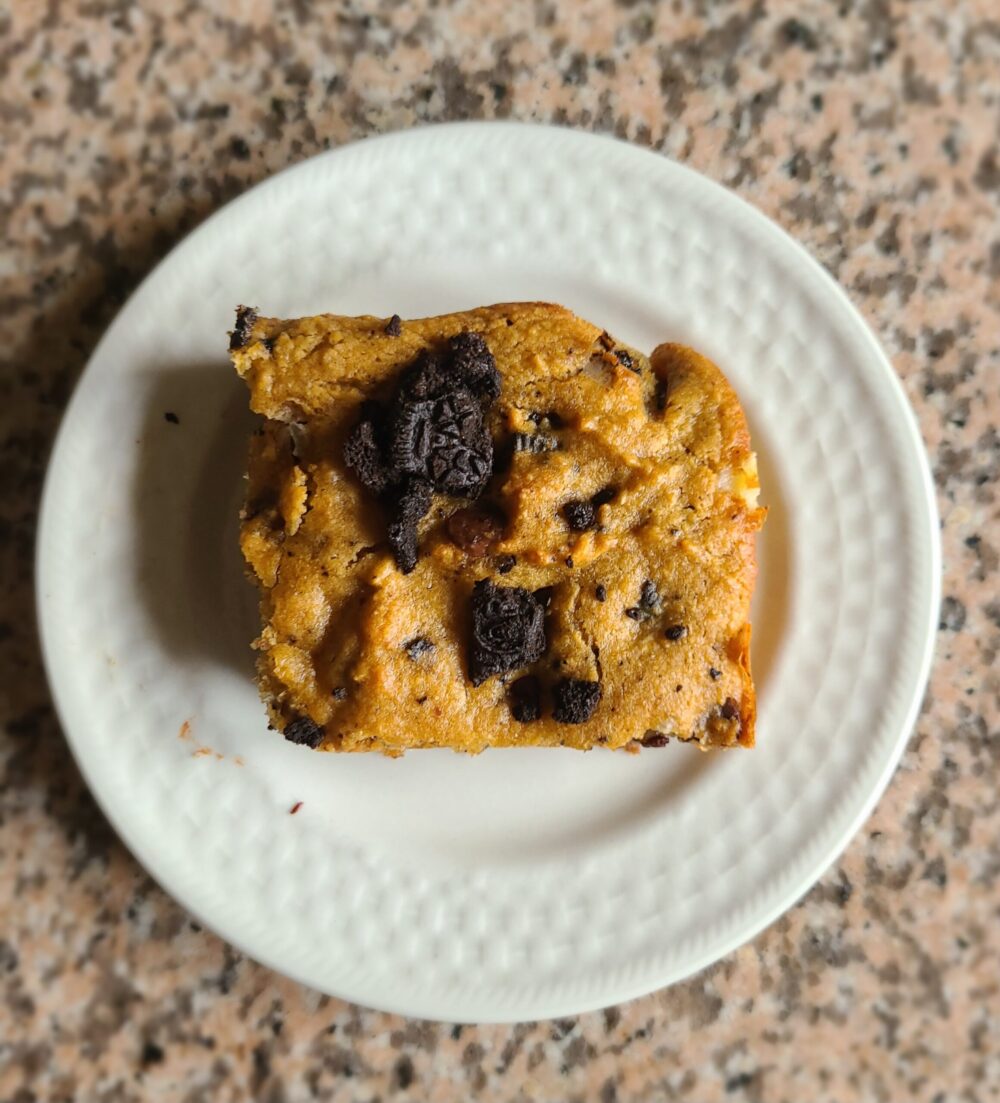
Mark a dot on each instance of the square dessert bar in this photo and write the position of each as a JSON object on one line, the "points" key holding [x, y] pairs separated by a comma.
{"points": [[500, 527]]}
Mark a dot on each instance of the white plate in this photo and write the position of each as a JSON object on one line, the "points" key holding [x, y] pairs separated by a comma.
{"points": [[520, 884]]}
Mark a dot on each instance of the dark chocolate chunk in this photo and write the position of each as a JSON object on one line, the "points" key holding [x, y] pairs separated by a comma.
{"points": [[445, 441], [418, 647], [413, 503], [714, 674], [602, 497], [730, 709], [580, 516], [625, 360], [601, 592], [535, 442], [506, 563], [526, 699], [508, 630], [394, 326], [245, 318], [474, 530], [339, 693], [676, 631], [171, 417], [654, 739], [473, 362], [304, 731], [575, 700]]}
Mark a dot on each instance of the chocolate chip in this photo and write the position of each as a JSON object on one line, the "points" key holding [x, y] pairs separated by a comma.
{"points": [[660, 396], [245, 318], [475, 365], [506, 563], [413, 504], [575, 700], [676, 631], [394, 326], [508, 630], [625, 360], [602, 497], [730, 709], [601, 592], [580, 516], [171, 417], [525, 699], [714, 674], [418, 647], [474, 530], [654, 739], [304, 731], [535, 442], [339, 693]]}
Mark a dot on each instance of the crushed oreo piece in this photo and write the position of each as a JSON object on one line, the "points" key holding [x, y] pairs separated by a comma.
{"points": [[649, 596], [603, 496], [304, 731], [418, 647], [445, 441], [506, 563], [635, 613], [550, 419], [714, 674], [625, 360], [526, 699], [339, 693], [676, 631], [654, 739], [245, 318], [601, 592], [535, 442], [508, 630], [363, 453], [474, 530], [730, 709], [394, 326], [575, 700], [413, 504], [580, 516], [473, 362]]}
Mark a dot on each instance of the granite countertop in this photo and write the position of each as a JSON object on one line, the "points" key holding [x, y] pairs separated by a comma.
{"points": [[869, 129]]}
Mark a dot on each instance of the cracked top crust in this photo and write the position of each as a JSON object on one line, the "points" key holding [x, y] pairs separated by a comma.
{"points": [[623, 494]]}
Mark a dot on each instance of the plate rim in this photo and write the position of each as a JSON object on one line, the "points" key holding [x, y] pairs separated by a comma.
{"points": [[542, 1007]]}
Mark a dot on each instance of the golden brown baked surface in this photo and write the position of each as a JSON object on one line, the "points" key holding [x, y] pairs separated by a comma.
{"points": [[626, 514]]}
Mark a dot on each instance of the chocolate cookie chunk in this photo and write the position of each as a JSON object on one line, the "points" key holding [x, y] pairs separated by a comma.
{"points": [[245, 318], [575, 700], [412, 504], [508, 630], [526, 699], [473, 362], [304, 731], [445, 441]]}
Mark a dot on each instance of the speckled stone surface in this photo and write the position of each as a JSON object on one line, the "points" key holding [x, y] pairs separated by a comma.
{"points": [[869, 129]]}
